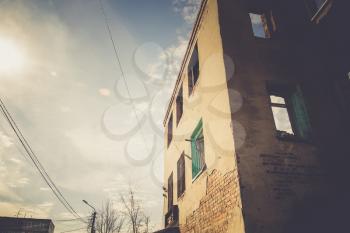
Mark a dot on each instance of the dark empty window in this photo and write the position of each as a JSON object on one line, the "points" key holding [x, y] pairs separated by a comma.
{"points": [[197, 149], [181, 181], [289, 111], [170, 191], [170, 129], [179, 105], [193, 70]]}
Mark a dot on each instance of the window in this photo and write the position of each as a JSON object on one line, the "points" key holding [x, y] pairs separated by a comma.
{"points": [[179, 106], [315, 5], [193, 70], [181, 181], [289, 112], [170, 191], [170, 129], [260, 25], [280, 114], [197, 149]]}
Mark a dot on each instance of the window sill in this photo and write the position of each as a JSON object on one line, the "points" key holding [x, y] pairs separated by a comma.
{"points": [[284, 136]]}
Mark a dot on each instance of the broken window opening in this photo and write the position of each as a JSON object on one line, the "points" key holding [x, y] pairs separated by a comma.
{"points": [[170, 191], [170, 129], [181, 181], [193, 70], [260, 25], [179, 106], [289, 112]]}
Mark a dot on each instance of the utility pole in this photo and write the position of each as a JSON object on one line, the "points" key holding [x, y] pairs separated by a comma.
{"points": [[93, 222], [93, 217]]}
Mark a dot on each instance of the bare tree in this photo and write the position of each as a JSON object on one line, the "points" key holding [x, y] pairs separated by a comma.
{"points": [[138, 222], [109, 219], [147, 224]]}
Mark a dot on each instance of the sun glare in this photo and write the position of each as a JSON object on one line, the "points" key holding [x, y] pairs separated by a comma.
{"points": [[11, 57]]}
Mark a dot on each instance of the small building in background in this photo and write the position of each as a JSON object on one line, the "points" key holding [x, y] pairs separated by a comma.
{"points": [[26, 225]]}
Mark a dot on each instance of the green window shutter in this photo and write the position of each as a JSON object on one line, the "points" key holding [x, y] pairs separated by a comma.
{"points": [[195, 159], [302, 121]]}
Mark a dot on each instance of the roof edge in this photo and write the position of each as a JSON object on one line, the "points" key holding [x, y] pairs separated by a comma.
{"points": [[190, 42]]}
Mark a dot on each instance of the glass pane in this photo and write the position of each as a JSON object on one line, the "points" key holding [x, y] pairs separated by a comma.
{"points": [[277, 99], [259, 25], [282, 120]]}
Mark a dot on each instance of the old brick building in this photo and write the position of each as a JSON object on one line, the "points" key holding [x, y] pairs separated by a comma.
{"points": [[257, 126], [26, 225]]}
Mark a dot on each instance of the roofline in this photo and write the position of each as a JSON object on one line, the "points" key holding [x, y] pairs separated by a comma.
{"points": [[194, 32], [26, 219]]}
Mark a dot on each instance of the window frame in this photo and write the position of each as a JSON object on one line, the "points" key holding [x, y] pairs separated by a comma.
{"points": [[179, 105], [198, 159], [264, 24], [170, 128], [287, 91], [193, 66], [285, 106], [181, 176], [268, 19], [170, 191]]}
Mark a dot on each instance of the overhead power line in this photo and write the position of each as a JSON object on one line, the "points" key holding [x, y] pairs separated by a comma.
{"points": [[70, 220], [115, 49], [37, 163]]}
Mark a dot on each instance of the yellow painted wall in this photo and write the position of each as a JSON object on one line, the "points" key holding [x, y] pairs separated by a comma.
{"points": [[210, 102]]}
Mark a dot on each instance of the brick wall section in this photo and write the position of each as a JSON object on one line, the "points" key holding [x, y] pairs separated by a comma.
{"points": [[215, 210]]}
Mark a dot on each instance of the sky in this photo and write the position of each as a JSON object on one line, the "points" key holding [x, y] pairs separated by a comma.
{"points": [[96, 128]]}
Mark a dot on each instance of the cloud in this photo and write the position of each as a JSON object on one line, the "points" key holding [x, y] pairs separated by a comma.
{"points": [[53, 73], [44, 189], [28, 210], [14, 160], [85, 155], [7, 193], [104, 92], [5, 141], [187, 9], [46, 205], [65, 109], [23, 181], [164, 68]]}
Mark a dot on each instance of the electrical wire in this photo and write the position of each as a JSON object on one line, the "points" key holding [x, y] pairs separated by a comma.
{"points": [[69, 220], [115, 48], [36, 162]]}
